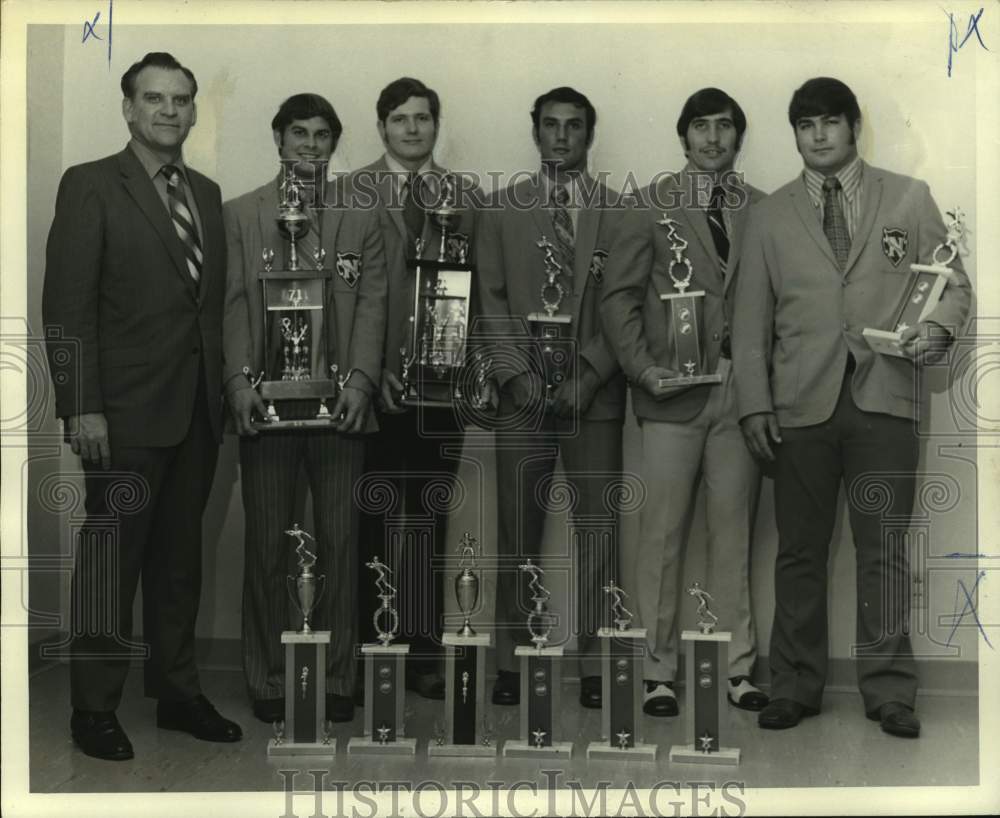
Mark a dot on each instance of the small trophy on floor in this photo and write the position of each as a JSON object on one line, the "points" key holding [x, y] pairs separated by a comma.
{"points": [[621, 682], [304, 730], [465, 669], [384, 688], [541, 680], [706, 661]]}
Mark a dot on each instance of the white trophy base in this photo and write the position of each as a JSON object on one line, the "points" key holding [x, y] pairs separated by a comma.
{"points": [[276, 749], [687, 754], [884, 342], [464, 750], [601, 750], [525, 749], [399, 747], [688, 380]]}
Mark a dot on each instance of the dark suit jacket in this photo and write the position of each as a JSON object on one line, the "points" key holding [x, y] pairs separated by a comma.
{"points": [[635, 319], [118, 289]]}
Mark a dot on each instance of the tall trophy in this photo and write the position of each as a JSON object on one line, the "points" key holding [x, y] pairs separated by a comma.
{"points": [[384, 679], [621, 684], [706, 666], [464, 732], [435, 355], [550, 327], [541, 680], [298, 382], [924, 287], [684, 314], [304, 730]]}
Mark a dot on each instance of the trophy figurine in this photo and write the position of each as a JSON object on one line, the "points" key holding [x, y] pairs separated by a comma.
{"points": [[621, 685], [541, 680], [304, 729], [384, 678], [923, 289], [550, 327], [683, 316], [706, 666], [465, 669], [444, 214]]}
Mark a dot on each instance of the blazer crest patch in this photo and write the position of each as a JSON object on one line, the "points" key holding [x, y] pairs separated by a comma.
{"points": [[895, 242], [349, 267], [457, 247], [597, 262]]}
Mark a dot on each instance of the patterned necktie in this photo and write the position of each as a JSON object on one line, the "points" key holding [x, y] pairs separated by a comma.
{"points": [[183, 221], [413, 214], [834, 222], [562, 224], [717, 227]]}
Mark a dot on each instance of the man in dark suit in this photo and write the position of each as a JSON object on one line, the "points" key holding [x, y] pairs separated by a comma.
{"points": [[583, 422], [306, 130], [816, 269], [690, 434], [409, 449], [134, 283]]}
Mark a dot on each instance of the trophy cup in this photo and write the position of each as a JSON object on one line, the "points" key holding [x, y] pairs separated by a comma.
{"points": [[540, 681], [621, 683], [706, 660], [683, 316], [296, 374], [304, 730], [465, 670], [550, 327], [924, 288], [384, 687]]}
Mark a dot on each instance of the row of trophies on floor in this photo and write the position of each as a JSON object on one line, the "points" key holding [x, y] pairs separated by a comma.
{"points": [[305, 729]]}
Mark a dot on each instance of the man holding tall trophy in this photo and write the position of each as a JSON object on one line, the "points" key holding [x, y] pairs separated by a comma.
{"points": [[316, 336]]}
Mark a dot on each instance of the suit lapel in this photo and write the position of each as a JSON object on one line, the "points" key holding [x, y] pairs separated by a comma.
{"points": [[807, 213], [739, 222], [587, 221], [872, 199]]}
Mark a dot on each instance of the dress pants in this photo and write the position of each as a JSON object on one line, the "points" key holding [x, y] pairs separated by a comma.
{"points": [[269, 469], [143, 518], [676, 457], [592, 461], [812, 462]]}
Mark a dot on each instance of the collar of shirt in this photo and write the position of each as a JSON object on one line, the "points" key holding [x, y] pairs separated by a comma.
{"points": [[547, 186], [151, 163], [400, 174], [850, 182]]}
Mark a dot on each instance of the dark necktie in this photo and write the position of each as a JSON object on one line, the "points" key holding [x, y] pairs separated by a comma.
{"points": [[562, 224], [413, 214], [834, 222], [183, 221], [717, 227]]}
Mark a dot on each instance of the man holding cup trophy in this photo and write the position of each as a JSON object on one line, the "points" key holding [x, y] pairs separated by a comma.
{"points": [[541, 268], [291, 346]]}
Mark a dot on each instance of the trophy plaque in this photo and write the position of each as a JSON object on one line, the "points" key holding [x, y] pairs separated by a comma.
{"points": [[435, 356], [298, 383], [304, 730], [923, 288], [707, 660], [552, 329], [621, 683], [541, 681], [384, 679], [465, 731], [683, 315]]}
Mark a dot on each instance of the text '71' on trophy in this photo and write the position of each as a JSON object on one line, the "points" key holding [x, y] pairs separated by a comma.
{"points": [[541, 681], [552, 328], [684, 315], [297, 383], [384, 689], [924, 286], [305, 729], [706, 665], [465, 733], [621, 684]]}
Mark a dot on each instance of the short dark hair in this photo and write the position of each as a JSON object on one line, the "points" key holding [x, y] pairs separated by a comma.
{"points": [[710, 101], [398, 91], [823, 96], [155, 59], [306, 106], [565, 94]]}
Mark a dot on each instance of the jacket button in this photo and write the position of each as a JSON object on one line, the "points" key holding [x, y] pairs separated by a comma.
{"points": [[715, 336]]}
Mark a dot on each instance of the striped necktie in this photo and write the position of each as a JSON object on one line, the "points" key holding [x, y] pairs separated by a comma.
{"points": [[717, 227], [834, 221], [562, 224], [183, 221]]}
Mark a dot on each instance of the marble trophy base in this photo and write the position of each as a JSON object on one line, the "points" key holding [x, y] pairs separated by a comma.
{"points": [[525, 749], [284, 749], [602, 751], [546, 660], [688, 754], [463, 750], [305, 711], [457, 651], [383, 666], [399, 747]]}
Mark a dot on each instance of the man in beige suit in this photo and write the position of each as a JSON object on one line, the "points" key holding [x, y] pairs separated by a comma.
{"points": [[690, 434], [826, 256]]}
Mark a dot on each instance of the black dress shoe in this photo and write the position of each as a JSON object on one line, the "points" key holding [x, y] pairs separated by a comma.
{"points": [[269, 710], [507, 689], [430, 685], [97, 733], [897, 720], [198, 717], [339, 708], [781, 714], [659, 699], [743, 694], [590, 692]]}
